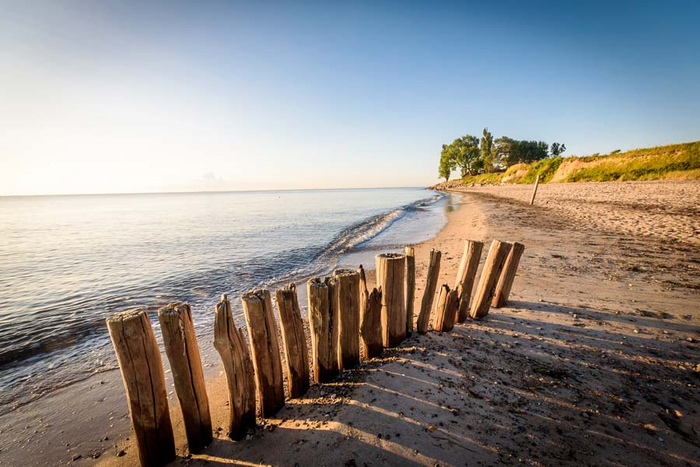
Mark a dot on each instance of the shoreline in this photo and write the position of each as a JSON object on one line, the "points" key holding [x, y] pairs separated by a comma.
{"points": [[599, 342]]}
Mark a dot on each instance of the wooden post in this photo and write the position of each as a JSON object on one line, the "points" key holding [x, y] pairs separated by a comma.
{"points": [[466, 276], [410, 287], [294, 341], [144, 381], [426, 304], [391, 281], [446, 309], [489, 275], [505, 282], [230, 343], [262, 332], [348, 289], [323, 322], [534, 191], [370, 319], [181, 347]]}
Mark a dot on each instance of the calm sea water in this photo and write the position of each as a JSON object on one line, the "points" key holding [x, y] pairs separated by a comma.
{"points": [[67, 262]]}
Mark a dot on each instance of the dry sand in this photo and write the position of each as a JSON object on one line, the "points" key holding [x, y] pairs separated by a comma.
{"points": [[595, 361]]}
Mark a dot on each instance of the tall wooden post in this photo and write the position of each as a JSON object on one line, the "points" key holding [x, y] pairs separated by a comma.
{"points": [[446, 309], [489, 275], [426, 304], [181, 347], [391, 281], [534, 190], [505, 282], [294, 341], [323, 322], [348, 298], [370, 319], [410, 287], [262, 332], [144, 381], [466, 276], [231, 345]]}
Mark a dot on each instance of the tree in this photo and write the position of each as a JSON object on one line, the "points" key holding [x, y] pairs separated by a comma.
{"points": [[446, 163], [486, 149], [465, 154], [557, 149], [526, 151]]}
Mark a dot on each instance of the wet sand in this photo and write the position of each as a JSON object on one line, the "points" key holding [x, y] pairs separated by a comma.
{"points": [[595, 361]]}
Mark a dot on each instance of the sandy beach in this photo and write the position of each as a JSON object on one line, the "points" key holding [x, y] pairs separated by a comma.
{"points": [[596, 360]]}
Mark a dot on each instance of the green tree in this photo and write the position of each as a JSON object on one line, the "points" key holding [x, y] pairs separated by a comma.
{"points": [[486, 150], [501, 152], [557, 149], [526, 151], [466, 156], [446, 163]]}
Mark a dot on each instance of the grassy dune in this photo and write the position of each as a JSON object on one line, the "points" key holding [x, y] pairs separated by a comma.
{"points": [[673, 162]]}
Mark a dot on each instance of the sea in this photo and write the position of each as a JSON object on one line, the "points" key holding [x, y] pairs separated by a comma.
{"points": [[68, 262]]}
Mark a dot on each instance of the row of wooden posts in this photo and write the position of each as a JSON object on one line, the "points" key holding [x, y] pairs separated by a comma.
{"points": [[347, 322]]}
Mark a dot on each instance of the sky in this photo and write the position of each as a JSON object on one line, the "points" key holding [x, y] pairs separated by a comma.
{"points": [[120, 96]]}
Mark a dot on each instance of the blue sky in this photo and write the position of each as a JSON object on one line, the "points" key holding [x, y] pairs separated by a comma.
{"points": [[126, 96]]}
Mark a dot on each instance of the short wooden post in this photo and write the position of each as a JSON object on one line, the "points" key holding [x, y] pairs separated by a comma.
{"points": [[323, 322], [505, 282], [410, 287], [426, 304], [489, 275], [466, 276], [391, 281], [534, 190], [446, 309], [262, 332], [144, 380], [370, 319], [348, 298], [181, 347], [231, 345], [294, 341]]}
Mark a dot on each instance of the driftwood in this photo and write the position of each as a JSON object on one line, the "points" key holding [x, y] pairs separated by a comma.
{"points": [[410, 287], [323, 323], [231, 345], [262, 332], [466, 276], [446, 309], [426, 304], [294, 341], [505, 282], [391, 268], [487, 282], [370, 319], [144, 380], [348, 300], [181, 347]]}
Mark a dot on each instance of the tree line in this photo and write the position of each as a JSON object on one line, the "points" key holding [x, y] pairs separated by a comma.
{"points": [[472, 155]]}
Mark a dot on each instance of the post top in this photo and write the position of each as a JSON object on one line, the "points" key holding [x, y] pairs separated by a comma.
{"points": [[128, 315]]}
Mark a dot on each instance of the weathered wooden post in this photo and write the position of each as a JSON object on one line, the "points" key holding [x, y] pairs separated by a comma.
{"points": [[426, 304], [230, 343], [144, 381], [323, 322], [348, 290], [294, 341], [466, 276], [181, 347], [391, 281], [534, 190], [505, 282], [262, 332], [489, 275], [446, 309], [410, 287], [370, 319]]}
